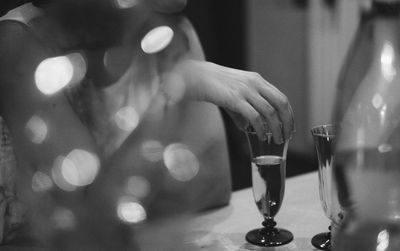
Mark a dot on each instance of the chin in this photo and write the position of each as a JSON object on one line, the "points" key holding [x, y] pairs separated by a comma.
{"points": [[169, 6]]}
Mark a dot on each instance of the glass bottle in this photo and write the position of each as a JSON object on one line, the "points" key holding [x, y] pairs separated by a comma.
{"points": [[367, 169]]}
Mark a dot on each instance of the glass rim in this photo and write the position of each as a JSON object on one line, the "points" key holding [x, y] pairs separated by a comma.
{"points": [[250, 129], [314, 129]]}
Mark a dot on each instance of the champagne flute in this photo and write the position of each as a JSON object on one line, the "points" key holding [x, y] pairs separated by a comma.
{"points": [[268, 179], [323, 136]]}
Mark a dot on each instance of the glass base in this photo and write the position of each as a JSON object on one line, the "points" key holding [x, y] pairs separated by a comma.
{"points": [[322, 241], [262, 237]]}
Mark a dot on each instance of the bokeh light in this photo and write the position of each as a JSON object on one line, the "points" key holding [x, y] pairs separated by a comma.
{"points": [[53, 74], [182, 164], [138, 187], [157, 39], [80, 167], [41, 182], [125, 4], [384, 148], [387, 61], [57, 176], [383, 240], [377, 101], [64, 218], [130, 210], [152, 150], [36, 129], [127, 118]]}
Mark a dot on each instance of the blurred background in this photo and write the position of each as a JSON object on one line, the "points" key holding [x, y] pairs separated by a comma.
{"points": [[297, 45]]}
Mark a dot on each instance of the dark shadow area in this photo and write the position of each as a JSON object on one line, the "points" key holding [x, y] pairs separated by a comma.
{"points": [[221, 26]]}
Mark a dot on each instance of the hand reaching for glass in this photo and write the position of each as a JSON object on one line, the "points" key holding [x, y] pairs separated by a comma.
{"points": [[247, 97]]}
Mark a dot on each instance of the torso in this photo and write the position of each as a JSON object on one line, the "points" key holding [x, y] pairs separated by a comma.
{"points": [[96, 104]]}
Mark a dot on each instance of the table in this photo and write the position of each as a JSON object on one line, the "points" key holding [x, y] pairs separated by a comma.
{"points": [[225, 228]]}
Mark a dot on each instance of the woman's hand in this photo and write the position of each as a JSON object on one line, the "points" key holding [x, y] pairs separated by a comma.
{"points": [[246, 96]]}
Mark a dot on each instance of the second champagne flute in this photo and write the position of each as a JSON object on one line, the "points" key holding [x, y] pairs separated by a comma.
{"points": [[324, 136]]}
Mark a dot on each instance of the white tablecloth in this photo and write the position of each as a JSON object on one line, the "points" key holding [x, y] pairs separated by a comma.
{"points": [[225, 228]]}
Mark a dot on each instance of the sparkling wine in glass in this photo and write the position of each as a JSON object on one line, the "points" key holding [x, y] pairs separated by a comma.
{"points": [[324, 136], [268, 163]]}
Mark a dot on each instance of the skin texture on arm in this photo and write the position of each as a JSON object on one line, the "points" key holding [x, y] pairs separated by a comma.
{"points": [[246, 96]]}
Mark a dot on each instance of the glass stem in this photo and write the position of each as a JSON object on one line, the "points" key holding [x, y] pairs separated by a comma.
{"points": [[269, 224], [330, 231]]}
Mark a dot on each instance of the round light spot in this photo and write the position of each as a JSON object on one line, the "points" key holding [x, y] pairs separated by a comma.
{"points": [[126, 4], [131, 211], [41, 182], [79, 66], [57, 176], [80, 167], [53, 74], [36, 129], [377, 100], [182, 164], [138, 186], [383, 240], [127, 118], [64, 219], [157, 39], [152, 150], [384, 148]]}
